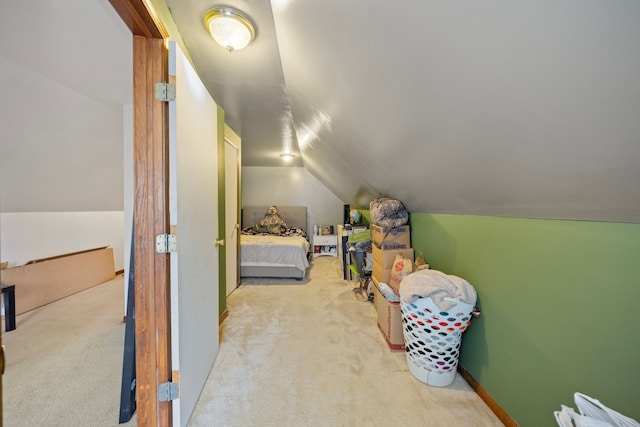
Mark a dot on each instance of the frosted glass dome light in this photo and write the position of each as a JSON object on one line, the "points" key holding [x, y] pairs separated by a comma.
{"points": [[229, 27]]}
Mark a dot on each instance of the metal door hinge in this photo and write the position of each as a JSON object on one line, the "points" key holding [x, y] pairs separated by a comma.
{"points": [[167, 391], [165, 243], [165, 92]]}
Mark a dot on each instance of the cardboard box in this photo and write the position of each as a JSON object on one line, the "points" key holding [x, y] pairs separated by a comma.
{"points": [[381, 274], [46, 280], [389, 320], [383, 263], [385, 257], [391, 238]]}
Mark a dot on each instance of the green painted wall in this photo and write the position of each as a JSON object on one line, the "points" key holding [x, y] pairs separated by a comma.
{"points": [[222, 253], [560, 303], [366, 216]]}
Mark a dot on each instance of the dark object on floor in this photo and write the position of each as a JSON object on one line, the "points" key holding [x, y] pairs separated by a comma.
{"points": [[9, 299], [128, 385], [363, 291]]}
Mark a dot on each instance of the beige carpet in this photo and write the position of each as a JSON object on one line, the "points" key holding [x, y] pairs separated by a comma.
{"points": [[64, 361], [309, 354], [292, 353]]}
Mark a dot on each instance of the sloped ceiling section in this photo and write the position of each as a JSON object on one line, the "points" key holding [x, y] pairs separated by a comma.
{"points": [[526, 109], [248, 84], [65, 73]]}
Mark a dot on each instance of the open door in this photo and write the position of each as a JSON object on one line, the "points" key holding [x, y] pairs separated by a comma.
{"points": [[193, 216], [232, 225]]}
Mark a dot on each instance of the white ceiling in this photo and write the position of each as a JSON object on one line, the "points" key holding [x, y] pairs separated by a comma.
{"points": [[525, 109], [83, 45]]}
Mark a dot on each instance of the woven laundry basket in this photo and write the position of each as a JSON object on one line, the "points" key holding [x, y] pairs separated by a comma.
{"points": [[432, 339]]}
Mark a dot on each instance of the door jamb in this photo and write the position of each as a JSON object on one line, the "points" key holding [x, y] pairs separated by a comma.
{"points": [[151, 269]]}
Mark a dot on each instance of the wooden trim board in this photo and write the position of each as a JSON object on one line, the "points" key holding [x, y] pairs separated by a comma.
{"points": [[63, 255], [40, 283], [223, 316], [486, 398]]}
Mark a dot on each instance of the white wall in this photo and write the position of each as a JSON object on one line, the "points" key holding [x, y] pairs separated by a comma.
{"points": [[129, 179], [61, 169], [60, 151], [292, 186], [32, 235]]}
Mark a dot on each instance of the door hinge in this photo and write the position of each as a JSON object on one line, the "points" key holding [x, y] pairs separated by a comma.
{"points": [[167, 392], [165, 92], [165, 243]]}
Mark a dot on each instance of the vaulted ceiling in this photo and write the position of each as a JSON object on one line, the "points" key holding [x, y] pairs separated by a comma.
{"points": [[62, 65], [525, 109]]}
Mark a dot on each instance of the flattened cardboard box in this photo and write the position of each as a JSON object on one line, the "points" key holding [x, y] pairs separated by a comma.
{"points": [[391, 238], [389, 320]]}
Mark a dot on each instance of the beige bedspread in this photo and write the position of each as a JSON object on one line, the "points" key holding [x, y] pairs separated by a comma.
{"points": [[278, 250]]}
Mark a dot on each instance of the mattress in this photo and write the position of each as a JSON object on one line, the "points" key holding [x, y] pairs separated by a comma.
{"points": [[261, 250]]}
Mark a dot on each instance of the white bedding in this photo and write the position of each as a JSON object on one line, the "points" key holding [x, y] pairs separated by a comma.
{"points": [[278, 250]]}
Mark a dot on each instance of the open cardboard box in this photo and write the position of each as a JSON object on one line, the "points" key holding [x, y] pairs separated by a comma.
{"points": [[383, 261], [389, 319]]}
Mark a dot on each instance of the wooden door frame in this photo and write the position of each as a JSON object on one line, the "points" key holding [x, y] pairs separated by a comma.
{"points": [[151, 211]]}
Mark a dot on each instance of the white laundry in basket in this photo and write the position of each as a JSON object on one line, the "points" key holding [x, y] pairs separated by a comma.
{"points": [[433, 337]]}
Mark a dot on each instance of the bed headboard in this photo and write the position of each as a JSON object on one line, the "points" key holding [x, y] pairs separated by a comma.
{"points": [[296, 216]]}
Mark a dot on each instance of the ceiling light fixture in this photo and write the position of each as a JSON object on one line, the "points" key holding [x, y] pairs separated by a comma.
{"points": [[287, 157], [229, 27]]}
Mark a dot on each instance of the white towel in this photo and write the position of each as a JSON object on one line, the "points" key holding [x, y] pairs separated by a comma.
{"points": [[437, 285]]}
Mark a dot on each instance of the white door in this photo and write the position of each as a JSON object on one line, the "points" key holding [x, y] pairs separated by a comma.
{"points": [[193, 214], [231, 213]]}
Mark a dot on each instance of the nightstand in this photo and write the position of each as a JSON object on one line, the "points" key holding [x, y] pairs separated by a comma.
{"points": [[326, 245]]}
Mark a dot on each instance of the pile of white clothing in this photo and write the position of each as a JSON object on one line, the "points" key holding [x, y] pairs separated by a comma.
{"points": [[438, 286]]}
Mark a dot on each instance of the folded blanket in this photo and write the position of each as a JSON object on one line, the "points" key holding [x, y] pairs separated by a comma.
{"points": [[437, 285]]}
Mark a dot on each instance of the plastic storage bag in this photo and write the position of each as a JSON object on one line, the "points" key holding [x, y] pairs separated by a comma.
{"points": [[590, 407], [388, 213], [592, 413], [568, 417]]}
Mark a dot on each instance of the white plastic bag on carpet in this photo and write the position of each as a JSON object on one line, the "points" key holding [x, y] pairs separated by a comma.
{"points": [[592, 413]]}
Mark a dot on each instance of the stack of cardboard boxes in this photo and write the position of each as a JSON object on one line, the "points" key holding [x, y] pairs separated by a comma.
{"points": [[385, 245]]}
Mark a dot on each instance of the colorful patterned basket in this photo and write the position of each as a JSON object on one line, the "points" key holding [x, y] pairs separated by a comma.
{"points": [[432, 339]]}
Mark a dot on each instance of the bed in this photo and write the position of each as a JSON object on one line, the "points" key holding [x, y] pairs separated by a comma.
{"points": [[270, 255]]}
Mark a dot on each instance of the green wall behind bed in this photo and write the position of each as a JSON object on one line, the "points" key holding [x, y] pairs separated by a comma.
{"points": [[560, 308]]}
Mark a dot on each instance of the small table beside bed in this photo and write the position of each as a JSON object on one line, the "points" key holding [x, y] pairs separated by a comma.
{"points": [[282, 254]]}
